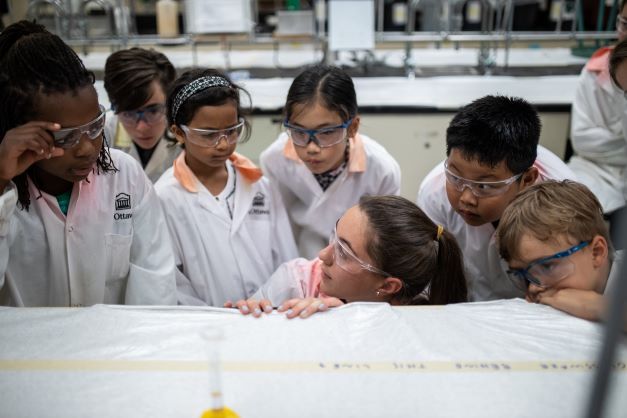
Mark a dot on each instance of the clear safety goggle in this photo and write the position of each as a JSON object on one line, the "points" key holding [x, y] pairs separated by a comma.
{"points": [[346, 259], [621, 23], [69, 137], [479, 188], [323, 137], [547, 271], [210, 138], [149, 114]]}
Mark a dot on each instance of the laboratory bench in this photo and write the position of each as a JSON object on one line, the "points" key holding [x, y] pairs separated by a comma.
{"points": [[492, 359]]}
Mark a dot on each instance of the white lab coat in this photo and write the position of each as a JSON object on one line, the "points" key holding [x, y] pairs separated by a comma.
{"points": [[371, 170], [485, 271], [598, 126], [220, 259], [113, 246], [161, 159], [616, 271]]}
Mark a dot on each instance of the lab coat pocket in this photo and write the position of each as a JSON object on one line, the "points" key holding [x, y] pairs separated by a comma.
{"points": [[118, 253]]}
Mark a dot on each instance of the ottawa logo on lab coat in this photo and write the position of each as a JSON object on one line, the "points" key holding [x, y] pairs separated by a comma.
{"points": [[122, 202], [259, 205]]}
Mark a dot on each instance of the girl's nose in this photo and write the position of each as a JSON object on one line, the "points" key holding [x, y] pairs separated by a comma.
{"points": [[223, 143], [86, 146], [313, 148], [142, 125], [326, 255]]}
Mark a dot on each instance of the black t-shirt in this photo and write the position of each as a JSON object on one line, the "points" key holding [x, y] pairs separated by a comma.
{"points": [[145, 154]]}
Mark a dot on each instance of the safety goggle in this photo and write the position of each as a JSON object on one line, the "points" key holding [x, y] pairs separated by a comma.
{"points": [[621, 23], [210, 138], [547, 271], [479, 188], [69, 137], [346, 259], [323, 137], [149, 114]]}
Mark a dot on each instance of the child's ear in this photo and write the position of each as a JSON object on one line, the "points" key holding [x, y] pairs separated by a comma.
{"points": [[600, 251], [391, 286], [529, 177], [178, 134], [354, 127]]}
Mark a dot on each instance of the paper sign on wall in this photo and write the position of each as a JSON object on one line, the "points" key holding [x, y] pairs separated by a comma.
{"points": [[218, 16], [351, 25]]}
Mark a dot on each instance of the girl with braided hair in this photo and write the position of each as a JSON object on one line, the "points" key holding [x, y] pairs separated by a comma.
{"points": [[79, 224]]}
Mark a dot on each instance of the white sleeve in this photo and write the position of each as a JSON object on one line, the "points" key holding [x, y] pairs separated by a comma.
{"points": [[266, 162], [596, 125], [151, 279], [391, 182], [283, 285], [283, 242], [431, 195], [8, 227], [273, 164], [186, 294]]}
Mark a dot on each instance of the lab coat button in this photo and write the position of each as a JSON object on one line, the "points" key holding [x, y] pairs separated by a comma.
{"points": [[70, 229]]}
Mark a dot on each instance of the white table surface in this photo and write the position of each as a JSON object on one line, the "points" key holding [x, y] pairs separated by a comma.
{"points": [[506, 358], [441, 93]]}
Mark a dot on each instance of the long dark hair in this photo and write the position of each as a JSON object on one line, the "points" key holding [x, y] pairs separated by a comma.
{"points": [[617, 57], [405, 243], [331, 85], [33, 61]]}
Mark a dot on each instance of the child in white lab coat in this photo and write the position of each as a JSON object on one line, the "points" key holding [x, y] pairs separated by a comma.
{"points": [[321, 163], [566, 262], [385, 249], [137, 81], [79, 224], [228, 224], [492, 153]]}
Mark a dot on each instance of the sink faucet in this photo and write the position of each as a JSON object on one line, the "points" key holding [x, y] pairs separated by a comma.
{"points": [[410, 27]]}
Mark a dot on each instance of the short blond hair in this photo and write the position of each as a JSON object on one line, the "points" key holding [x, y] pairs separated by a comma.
{"points": [[549, 210]]}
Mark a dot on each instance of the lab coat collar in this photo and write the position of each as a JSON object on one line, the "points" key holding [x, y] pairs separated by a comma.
{"points": [[357, 154], [51, 201], [599, 64], [599, 60], [188, 179]]}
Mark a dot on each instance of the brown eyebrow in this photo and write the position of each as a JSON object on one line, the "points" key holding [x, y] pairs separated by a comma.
{"points": [[321, 126], [348, 244]]}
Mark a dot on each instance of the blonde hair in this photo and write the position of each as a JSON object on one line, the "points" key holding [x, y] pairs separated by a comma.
{"points": [[549, 210]]}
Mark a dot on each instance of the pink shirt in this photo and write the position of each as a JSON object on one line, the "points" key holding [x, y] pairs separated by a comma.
{"points": [[298, 278]]}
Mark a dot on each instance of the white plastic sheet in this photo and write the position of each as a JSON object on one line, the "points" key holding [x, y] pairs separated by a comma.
{"points": [[506, 358]]}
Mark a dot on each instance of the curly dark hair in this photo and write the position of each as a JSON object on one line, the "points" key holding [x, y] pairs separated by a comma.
{"points": [[34, 61]]}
